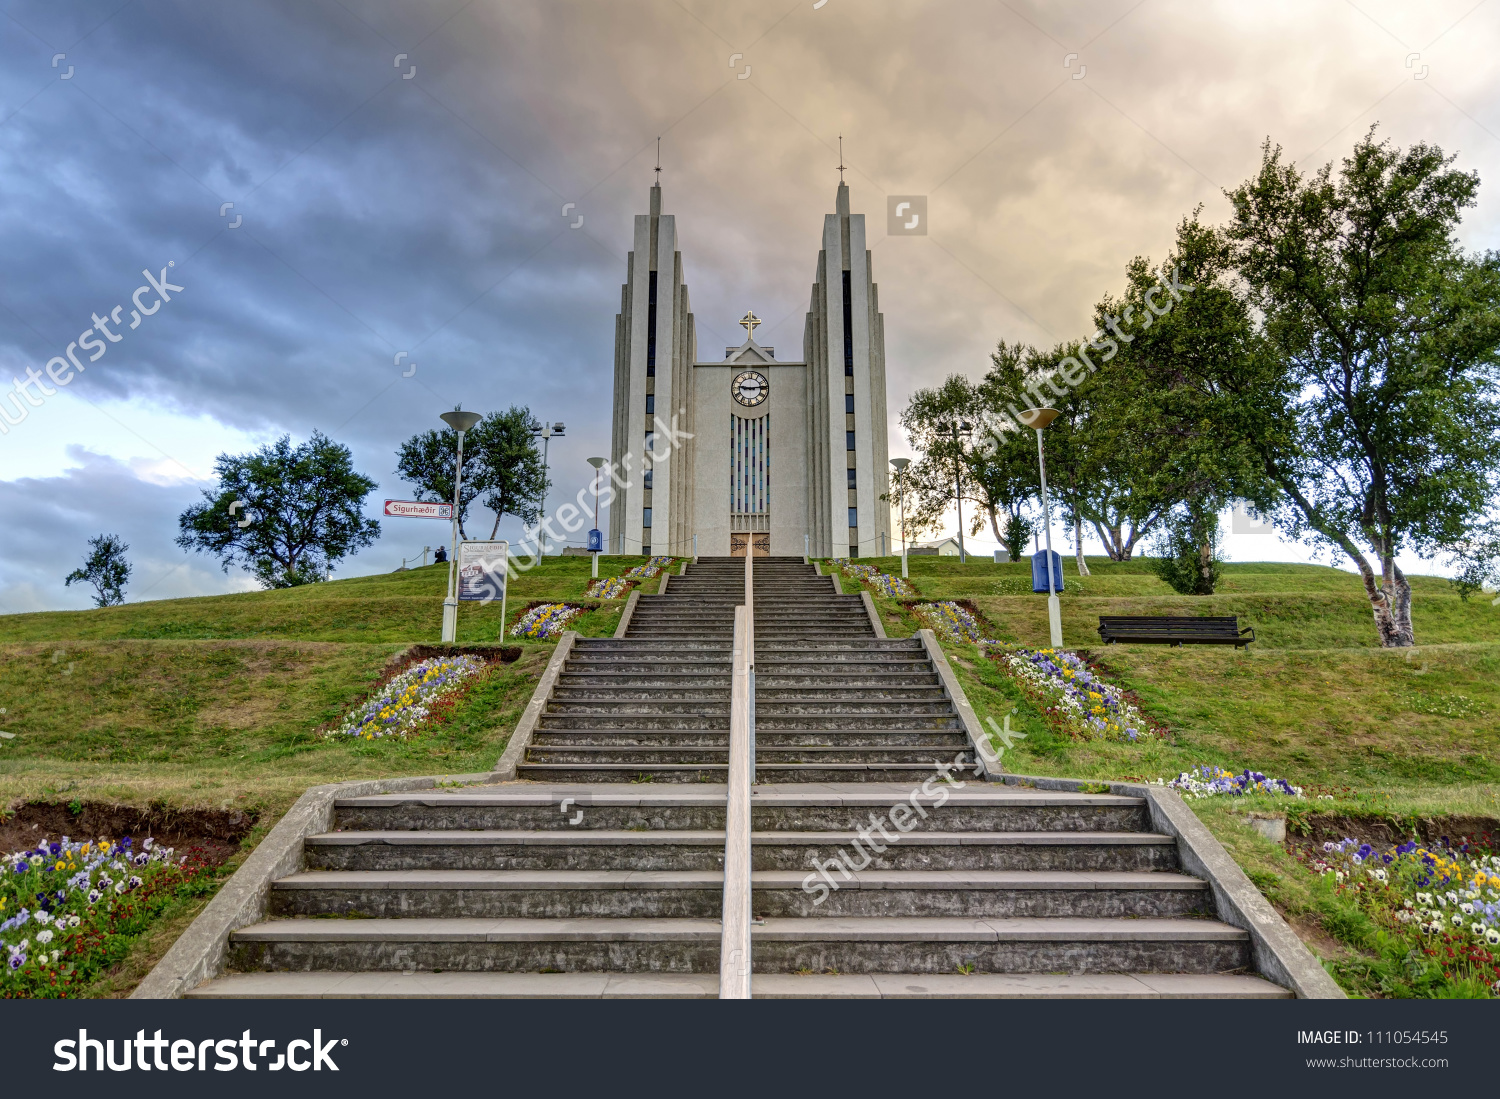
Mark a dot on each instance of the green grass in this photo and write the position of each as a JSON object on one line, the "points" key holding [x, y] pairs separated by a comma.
{"points": [[222, 700]]}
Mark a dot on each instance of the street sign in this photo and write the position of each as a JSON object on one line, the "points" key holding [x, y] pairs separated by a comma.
{"points": [[481, 570], [417, 509], [596, 541]]}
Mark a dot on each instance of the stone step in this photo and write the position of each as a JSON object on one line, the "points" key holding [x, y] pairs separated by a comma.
{"points": [[717, 705], [412, 985], [776, 738], [639, 721], [640, 693], [923, 945], [646, 757], [806, 700], [615, 849], [868, 721], [644, 677], [765, 681], [675, 894], [909, 773], [975, 807]]}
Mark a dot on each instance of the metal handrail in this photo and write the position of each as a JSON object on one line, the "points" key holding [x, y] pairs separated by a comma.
{"points": [[734, 948]]}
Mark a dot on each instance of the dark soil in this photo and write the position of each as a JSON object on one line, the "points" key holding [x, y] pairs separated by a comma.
{"points": [[1481, 832], [213, 835]]}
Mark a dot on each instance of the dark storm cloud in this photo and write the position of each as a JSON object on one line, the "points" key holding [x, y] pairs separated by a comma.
{"points": [[383, 215]]}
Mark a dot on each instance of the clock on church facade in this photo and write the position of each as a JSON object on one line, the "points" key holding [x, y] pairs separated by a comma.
{"points": [[751, 388]]}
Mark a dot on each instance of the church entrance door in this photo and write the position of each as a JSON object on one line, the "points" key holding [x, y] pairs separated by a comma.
{"points": [[761, 544]]}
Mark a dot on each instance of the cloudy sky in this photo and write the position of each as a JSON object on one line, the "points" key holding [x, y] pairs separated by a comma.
{"points": [[398, 172]]}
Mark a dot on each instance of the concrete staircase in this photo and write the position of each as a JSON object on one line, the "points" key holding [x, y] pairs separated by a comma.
{"points": [[834, 702], [579, 884], [652, 706]]}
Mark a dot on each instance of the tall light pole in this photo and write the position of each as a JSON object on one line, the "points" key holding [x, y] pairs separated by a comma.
{"points": [[901, 464], [957, 428], [1037, 419], [594, 553], [545, 433], [460, 422]]}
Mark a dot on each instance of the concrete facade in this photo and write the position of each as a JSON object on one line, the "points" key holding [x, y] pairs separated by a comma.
{"points": [[778, 471]]}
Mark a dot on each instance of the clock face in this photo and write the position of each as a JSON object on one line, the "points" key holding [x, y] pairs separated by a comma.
{"points": [[750, 388]]}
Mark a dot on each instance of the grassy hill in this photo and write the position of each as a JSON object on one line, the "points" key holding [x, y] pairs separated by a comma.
{"points": [[220, 701], [1314, 699]]}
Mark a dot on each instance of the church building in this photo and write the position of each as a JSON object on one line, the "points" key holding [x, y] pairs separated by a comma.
{"points": [[750, 453]]}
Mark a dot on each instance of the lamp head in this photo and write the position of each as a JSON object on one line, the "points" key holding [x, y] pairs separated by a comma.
{"points": [[557, 428], [461, 421], [900, 464], [1038, 418], [595, 462]]}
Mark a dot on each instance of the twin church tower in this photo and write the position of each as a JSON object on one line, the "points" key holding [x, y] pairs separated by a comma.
{"points": [[750, 453]]}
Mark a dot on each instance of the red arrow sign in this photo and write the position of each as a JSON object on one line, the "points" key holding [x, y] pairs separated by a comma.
{"points": [[416, 509]]}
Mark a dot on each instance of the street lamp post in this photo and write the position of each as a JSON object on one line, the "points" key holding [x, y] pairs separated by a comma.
{"points": [[545, 433], [901, 464], [460, 422], [596, 463], [1037, 419], [966, 429]]}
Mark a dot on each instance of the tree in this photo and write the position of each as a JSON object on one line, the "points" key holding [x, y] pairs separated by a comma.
{"points": [[105, 568], [426, 460], [1385, 337], [988, 478], [1190, 384], [502, 467], [1187, 553], [299, 512], [510, 475]]}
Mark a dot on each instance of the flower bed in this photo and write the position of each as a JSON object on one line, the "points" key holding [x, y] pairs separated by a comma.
{"points": [[546, 621], [613, 587], [1073, 697], [891, 586], [68, 910], [408, 699], [1208, 782], [1438, 907], [951, 621]]}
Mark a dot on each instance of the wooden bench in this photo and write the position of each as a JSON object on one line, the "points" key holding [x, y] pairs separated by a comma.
{"points": [[1173, 630]]}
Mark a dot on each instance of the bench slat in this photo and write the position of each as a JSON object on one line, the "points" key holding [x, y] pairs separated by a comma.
{"points": [[1175, 629]]}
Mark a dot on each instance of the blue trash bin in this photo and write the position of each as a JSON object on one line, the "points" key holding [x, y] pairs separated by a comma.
{"points": [[596, 541], [1039, 572]]}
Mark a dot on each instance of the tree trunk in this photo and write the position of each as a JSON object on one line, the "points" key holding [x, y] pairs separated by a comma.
{"points": [[1390, 602], [995, 526], [1083, 569]]}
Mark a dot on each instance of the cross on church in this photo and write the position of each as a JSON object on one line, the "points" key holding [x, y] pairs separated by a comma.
{"points": [[750, 320]]}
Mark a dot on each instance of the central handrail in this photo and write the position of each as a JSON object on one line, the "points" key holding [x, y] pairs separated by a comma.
{"points": [[734, 947]]}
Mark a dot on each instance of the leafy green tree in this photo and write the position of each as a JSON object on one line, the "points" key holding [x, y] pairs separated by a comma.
{"points": [[988, 479], [511, 478], [300, 512], [426, 461], [105, 568], [1187, 552], [1385, 337], [1189, 383], [502, 467]]}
